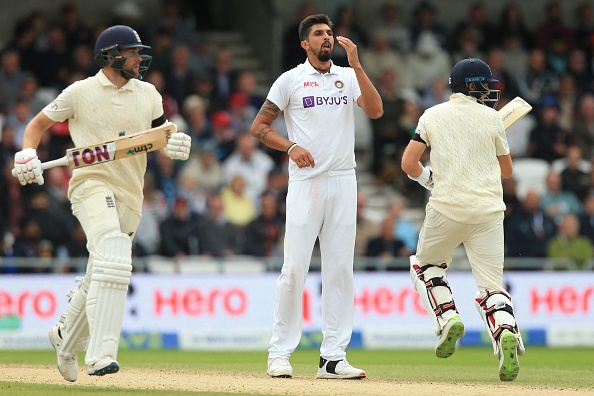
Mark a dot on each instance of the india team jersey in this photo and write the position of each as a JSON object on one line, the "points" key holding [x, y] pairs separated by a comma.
{"points": [[96, 111], [319, 114], [465, 138]]}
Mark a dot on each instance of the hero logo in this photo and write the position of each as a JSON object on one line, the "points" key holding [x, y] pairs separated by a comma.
{"points": [[92, 155], [312, 101]]}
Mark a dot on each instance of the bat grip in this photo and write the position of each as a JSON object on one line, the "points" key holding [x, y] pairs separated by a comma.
{"points": [[50, 164]]}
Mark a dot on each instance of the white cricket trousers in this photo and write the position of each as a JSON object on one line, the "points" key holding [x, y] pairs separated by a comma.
{"points": [[323, 207], [483, 243], [95, 207]]}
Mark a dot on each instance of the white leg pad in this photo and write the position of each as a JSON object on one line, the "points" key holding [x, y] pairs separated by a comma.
{"points": [[110, 278], [497, 312], [76, 328], [431, 284]]}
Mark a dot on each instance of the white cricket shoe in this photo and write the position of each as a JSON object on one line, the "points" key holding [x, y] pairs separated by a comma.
{"points": [[279, 367], [451, 332], [341, 369], [68, 366], [105, 365], [509, 366]]}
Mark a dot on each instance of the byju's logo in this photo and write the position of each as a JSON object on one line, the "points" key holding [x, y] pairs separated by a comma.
{"points": [[312, 101], [309, 101]]}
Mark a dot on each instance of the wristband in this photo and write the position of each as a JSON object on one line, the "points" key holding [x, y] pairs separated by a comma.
{"points": [[291, 147]]}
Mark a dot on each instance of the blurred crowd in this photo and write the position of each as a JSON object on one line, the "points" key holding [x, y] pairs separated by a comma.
{"points": [[228, 198]]}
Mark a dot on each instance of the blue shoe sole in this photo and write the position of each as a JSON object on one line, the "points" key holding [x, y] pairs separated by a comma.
{"points": [[112, 368]]}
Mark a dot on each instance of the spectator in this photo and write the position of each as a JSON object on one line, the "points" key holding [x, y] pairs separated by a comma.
{"points": [[585, 25], [292, 51], [54, 221], [577, 67], [547, 140], [198, 126], [252, 163], [553, 27], [263, 234], [568, 102], [516, 57], [425, 24], [238, 207], [223, 79], [386, 246], [154, 211], [179, 231], [437, 91], [165, 176], [204, 168], [161, 49], [529, 229], [583, 126], [507, 83], [75, 30], [586, 218], [477, 24], [19, 116], [29, 90], [56, 59], [11, 78], [568, 243], [397, 31], [222, 134], [575, 175], [404, 229], [179, 79], [247, 84], [426, 62], [202, 57], [171, 17], [381, 57], [557, 203], [513, 25], [345, 24], [366, 228], [76, 246], [538, 81], [170, 106], [31, 244], [218, 237], [242, 113]]}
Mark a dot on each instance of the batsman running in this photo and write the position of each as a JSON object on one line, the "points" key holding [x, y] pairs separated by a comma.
{"points": [[469, 156], [106, 198]]}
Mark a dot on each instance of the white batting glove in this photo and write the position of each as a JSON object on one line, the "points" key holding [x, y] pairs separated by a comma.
{"points": [[27, 167], [425, 179], [178, 146]]}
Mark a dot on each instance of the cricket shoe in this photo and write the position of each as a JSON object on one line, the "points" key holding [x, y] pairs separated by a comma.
{"points": [[105, 365], [451, 332], [340, 369], [509, 366], [68, 366], [279, 367]]}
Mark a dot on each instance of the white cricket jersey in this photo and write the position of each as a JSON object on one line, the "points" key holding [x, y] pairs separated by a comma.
{"points": [[319, 115], [465, 139], [96, 111]]}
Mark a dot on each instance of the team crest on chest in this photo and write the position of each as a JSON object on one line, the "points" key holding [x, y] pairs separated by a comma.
{"points": [[339, 84]]}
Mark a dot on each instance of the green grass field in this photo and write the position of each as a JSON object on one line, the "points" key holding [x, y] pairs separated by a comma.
{"points": [[540, 367]]}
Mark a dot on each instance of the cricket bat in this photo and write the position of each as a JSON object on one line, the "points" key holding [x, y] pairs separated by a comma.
{"points": [[513, 111], [111, 150]]}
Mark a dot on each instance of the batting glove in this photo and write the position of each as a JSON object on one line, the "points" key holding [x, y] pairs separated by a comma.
{"points": [[425, 179], [178, 146], [27, 167]]}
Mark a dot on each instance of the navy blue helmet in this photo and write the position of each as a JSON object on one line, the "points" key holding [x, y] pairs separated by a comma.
{"points": [[108, 46], [473, 70]]}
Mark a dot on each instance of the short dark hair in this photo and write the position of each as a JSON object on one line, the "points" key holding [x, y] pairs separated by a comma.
{"points": [[307, 23]]}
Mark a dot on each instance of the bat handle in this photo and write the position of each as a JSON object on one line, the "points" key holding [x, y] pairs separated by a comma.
{"points": [[50, 164]]}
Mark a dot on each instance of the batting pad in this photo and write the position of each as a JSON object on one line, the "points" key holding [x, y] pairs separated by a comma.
{"points": [[110, 278], [433, 296], [76, 326]]}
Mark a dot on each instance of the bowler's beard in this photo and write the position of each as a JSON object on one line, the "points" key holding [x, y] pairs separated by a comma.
{"points": [[324, 56]]}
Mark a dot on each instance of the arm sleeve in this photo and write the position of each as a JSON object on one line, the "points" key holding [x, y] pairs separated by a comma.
{"points": [[280, 91], [421, 131], [501, 144], [62, 108]]}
